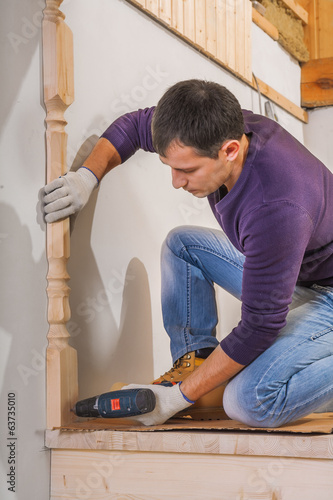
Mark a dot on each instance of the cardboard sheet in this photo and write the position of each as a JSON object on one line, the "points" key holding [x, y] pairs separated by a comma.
{"points": [[319, 423]]}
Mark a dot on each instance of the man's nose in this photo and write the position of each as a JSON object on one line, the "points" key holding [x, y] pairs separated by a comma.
{"points": [[178, 179]]}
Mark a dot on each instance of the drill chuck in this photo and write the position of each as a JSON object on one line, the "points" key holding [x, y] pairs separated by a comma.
{"points": [[117, 404]]}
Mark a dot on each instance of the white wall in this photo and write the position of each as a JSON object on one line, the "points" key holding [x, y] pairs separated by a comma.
{"points": [[23, 325], [127, 63], [318, 134]]}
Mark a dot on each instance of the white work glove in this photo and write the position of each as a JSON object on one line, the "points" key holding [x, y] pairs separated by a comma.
{"points": [[169, 401], [68, 194]]}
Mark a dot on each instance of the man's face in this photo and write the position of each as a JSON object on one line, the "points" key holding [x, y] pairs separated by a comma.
{"points": [[200, 175]]}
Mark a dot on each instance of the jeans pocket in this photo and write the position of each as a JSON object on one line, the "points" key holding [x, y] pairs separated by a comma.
{"points": [[325, 291], [321, 333]]}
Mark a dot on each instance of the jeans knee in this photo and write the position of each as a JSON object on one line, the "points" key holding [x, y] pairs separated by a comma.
{"points": [[231, 402], [240, 403], [174, 240]]}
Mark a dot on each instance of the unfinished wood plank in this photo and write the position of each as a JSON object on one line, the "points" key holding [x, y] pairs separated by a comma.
{"points": [[317, 83], [221, 51], [189, 19], [169, 476], [61, 358], [248, 40], [211, 27], [165, 11], [200, 23], [297, 10], [311, 30], [153, 6], [325, 28], [231, 30], [264, 24], [216, 442], [240, 47], [177, 16], [243, 38], [282, 101], [318, 31]]}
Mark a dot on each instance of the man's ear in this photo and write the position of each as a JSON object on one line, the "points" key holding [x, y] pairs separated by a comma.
{"points": [[230, 149]]}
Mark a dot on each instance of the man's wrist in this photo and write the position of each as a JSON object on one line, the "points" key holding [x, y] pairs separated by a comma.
{"points": [[185, 397], [93, 173]]}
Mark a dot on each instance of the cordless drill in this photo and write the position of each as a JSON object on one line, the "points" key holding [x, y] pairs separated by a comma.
{"points": [[117, 404]]}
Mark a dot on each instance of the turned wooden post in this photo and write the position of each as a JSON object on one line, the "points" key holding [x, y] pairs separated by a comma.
{"points": [[61, 358]]}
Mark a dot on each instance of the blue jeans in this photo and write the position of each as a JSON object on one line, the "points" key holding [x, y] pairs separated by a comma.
{"points": [[294, 376]]}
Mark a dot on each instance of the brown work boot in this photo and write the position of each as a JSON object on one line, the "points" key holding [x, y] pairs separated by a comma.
{"points": [[181, 369], [209, 406]]}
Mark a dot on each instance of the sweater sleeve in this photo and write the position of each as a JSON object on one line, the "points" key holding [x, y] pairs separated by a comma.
{"points": [[274, 240], [131, 132]]}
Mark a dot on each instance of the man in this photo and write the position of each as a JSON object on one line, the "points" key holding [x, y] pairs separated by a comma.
{"points": [[274, 202]]}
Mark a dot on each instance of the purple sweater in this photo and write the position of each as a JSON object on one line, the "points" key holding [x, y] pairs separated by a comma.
{"points": [[279, 215]]}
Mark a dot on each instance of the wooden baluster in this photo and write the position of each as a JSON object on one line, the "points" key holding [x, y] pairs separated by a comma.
{"points": [[62, 383]]}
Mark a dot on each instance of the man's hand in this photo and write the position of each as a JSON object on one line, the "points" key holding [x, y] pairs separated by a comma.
{"points": [[68, 194], [169, 401]]}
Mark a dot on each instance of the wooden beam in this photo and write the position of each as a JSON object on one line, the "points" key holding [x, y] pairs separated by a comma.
{"points": [[311, 35], [281, 100], [318, 32], [297, 9], [325, 27], [264, 24], [317, 83]]}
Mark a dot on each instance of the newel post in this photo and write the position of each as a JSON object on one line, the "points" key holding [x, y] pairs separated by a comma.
{"points": [[61, 358]]}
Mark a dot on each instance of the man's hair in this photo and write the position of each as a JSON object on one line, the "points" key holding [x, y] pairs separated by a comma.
{"points": [[199, 114]]}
